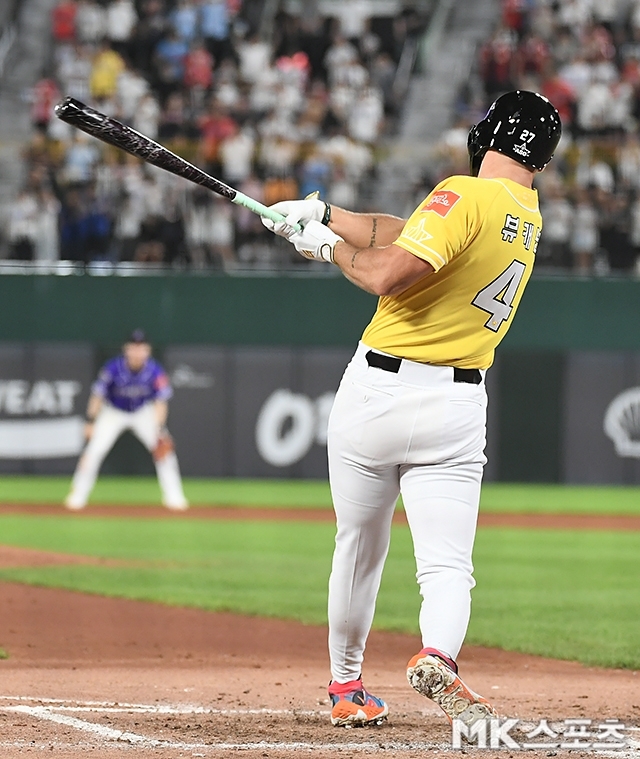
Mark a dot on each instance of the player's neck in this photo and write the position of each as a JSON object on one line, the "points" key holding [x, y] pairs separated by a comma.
{"points": [[497, 166], [135, 368]]}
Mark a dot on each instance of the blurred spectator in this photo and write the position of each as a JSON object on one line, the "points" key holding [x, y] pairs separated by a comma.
{"points": [[315, 174], [215, 126], [628, 163], [147, 116], [451, 149], [279, 154], [174, 118], [209, 230], [277, 188], [574, 14], [249, 229], [45, 96], [198, 73], [615, 230], [90, 21], [366, 115], [184, 20], [84, 227], [237, 154], [556, 235], [120, 23], [585, 57], [531, 57], [565, 46], [383, 74], [497, 62], [128, 225], [514, 15], [353, 16], [356, 157], [342, 190], [22, 226], [46, 247], [131, 88], [170, 54], [635, 230], [174, 229], [339, 57], [214, 29], [585, 237], [605, 13], [302, 111], [255, 58], [149, 31], [80, 158], [559, 92], [576, 74], [107, 67], [74, 71], [63, 21]]}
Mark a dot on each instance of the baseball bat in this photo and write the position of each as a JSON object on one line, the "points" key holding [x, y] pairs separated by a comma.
{"points": [[115, 133]]}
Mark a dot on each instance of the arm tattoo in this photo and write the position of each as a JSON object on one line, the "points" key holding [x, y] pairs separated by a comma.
{"points": [[374, 229], [353, 259]]}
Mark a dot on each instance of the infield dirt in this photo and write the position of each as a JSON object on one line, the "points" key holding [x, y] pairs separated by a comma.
{"points": [[104, 677]]}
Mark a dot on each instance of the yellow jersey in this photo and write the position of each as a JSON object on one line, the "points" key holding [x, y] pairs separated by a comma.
{"points": [[480, 236]]}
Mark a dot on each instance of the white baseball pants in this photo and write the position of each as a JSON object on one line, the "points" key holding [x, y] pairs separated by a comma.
{"points": [[110, 423], [421, 434]]}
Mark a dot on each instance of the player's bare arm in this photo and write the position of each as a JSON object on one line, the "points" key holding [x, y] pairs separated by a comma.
{"points": [[381, 270], [387, 270], [365, 230], [161, 409], [362, 230], [93, 409]]}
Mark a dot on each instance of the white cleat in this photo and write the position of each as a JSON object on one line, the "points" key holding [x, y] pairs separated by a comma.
{"points": [[179, 505], [72, 503]]}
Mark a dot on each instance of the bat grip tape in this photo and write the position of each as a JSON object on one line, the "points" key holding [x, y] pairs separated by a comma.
{"points": [[253, 205]]}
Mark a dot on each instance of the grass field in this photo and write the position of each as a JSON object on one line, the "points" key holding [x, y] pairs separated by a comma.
{"points": [[570, 595], [496, 497]]}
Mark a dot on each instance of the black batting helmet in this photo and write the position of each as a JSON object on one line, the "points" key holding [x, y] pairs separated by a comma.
{"points": [[520, 124]]}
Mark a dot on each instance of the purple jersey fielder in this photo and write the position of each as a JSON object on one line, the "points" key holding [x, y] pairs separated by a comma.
{"points": [[128, 390], [131, 393]]}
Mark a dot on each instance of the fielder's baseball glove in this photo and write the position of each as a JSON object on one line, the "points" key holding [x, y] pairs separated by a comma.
{"points": [[163, 447]]}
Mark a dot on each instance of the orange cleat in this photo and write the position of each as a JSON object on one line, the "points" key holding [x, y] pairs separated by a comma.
{"points": [[354, 707]]}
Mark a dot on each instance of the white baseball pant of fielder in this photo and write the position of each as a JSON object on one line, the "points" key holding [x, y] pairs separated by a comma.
{"points": [[110, 423]]}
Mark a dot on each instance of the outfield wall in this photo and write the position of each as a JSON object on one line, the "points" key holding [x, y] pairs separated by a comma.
{"points": [[555, 314], [262, 412], [255, 362]]}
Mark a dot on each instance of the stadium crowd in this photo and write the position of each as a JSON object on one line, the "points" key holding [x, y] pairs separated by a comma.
{"points": [[584, 55], [305, 110]]}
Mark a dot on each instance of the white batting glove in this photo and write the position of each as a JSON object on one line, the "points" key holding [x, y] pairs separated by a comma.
{"points": [[297, 211], [315, 241]]}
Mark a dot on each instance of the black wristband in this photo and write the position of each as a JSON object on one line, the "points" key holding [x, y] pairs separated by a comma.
{"points": [[327, 214]]}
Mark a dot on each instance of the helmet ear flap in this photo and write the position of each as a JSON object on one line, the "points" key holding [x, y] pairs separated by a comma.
{"points": [[476, 147]]}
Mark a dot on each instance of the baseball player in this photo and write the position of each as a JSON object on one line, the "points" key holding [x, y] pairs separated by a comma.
{"points": [[131, 393], [410, 413]]}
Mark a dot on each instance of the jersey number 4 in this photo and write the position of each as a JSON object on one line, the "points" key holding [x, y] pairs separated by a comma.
{"points": [[497, 297]]}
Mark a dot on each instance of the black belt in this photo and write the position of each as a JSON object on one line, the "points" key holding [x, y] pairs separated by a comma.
{"points": [[392, 364]]}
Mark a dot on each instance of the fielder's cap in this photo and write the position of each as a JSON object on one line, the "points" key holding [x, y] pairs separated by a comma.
{"points": [[138, 336]]}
